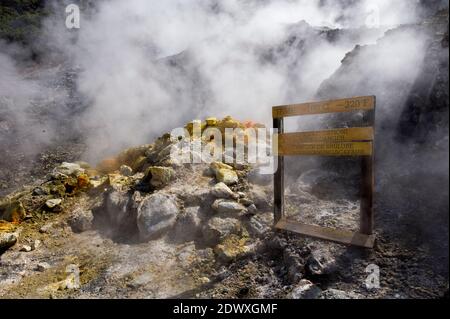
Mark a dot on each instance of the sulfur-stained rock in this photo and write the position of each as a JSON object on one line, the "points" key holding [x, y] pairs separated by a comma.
{"points": [[225, 206], [231, 248], [221, 190], [216, 229], [259, 197], [156, 214], [12, 211], [159, 176], [211, 121], [227, 176]]}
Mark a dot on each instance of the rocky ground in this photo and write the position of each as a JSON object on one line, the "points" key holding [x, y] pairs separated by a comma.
{"points": [[141, 225]]}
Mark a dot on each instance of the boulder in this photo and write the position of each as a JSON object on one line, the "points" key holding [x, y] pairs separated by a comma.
{"points": [[156, 214], [221, 190], [321, 262], [305, 290], [226, 206], [216, 229], [81, 220]]}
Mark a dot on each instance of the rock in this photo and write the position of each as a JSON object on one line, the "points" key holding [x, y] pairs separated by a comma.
{"points": [[221, 190], [232, 248], [188, 224], [42, 266], [26, 248], [257, 227], [216, 229], [81, 220], [252, 209], [211, 121], [159, 176], [339, 294], [246, 202], [320, 262], [156, 214], [126, 170], [259, 197], [40, 191], [194, 195], [67, 169], [8, 239], [229, 177], [225, 206], [53, 204], [224, 173], [117, 207], [305, 290], [204, 280]]}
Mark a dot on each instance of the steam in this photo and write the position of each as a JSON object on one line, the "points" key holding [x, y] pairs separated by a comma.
{"points": [[149, 66]]}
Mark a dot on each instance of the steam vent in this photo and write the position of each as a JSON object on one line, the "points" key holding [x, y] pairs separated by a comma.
{"points": [[122, 175]]}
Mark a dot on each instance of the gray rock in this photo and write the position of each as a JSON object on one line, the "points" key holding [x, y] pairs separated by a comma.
{"points": [[221, 190], [245, 201], [225, 206], [156, 214], [339, 294], [188, 224], [305, 290], [218, 228], [81, 220], [117, 207]]}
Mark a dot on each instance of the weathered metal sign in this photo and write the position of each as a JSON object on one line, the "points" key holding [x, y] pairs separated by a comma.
{"points": [[334, 106]]}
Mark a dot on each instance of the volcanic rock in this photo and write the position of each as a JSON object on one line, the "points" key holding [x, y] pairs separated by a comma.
{"points": [[156, 214]]}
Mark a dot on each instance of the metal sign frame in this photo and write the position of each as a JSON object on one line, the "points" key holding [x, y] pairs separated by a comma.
{"points": [[356, 141]]}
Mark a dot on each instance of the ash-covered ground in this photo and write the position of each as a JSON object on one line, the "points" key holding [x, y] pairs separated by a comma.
{"points": [[140, 225]]}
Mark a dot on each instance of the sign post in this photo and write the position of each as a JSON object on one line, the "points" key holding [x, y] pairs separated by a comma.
{"points": [[355, 141]]}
